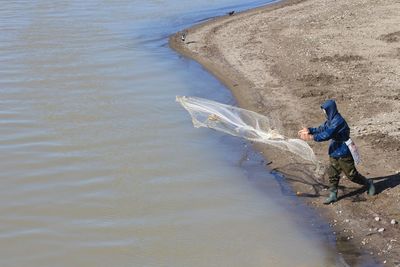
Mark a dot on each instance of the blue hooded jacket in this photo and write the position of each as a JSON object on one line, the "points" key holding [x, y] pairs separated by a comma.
{"points": [[334, 128]]}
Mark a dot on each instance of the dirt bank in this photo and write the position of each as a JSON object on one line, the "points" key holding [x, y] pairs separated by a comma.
{"points": [[284, 60]]}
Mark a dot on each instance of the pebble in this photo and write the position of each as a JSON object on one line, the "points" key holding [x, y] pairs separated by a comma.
{"points": [[380, 230], [377, 219], [393, 222]]}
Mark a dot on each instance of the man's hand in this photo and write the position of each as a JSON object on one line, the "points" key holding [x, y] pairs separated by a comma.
{"points": [[305, 135], [303, 131]]}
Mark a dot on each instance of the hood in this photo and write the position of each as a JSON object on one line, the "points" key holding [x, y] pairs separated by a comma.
{"points": [[330, 108]]}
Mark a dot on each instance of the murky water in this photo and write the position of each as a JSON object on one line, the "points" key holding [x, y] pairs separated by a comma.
{"points": [[99, 165]]}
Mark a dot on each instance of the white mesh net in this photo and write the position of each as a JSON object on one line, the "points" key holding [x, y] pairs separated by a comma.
{"points": [[242, 123]]}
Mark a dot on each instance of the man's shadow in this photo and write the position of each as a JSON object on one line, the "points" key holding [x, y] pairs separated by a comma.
{"points": [[381, 184]]}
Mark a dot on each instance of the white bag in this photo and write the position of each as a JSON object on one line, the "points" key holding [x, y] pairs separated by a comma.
{"points": [[354, 151]]}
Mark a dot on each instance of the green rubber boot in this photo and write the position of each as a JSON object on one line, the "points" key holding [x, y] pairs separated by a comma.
{"points": [[332, 198], [371, 187]]}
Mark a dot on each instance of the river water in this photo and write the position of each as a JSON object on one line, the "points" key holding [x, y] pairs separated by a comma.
{"points": [[99, 165]]}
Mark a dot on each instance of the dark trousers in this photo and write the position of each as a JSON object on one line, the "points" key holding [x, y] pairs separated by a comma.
{"points": [[347, 166]]}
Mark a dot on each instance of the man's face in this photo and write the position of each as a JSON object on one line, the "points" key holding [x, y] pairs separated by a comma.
{"points": [[326, 115]]}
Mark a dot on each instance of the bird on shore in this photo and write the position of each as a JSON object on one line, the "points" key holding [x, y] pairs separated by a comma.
{"points": [[183, 36], [231, 13]]}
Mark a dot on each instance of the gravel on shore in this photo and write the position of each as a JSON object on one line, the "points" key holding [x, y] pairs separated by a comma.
{"points": [[284, 60]]}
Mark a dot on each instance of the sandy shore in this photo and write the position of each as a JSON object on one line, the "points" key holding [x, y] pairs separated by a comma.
{"points": [[284, 60]]}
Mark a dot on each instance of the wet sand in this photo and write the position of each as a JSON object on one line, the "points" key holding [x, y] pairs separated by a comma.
{"points": [[284, 60]]}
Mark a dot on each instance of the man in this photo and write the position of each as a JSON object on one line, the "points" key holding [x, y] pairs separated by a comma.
{"points": [[336, 129]]}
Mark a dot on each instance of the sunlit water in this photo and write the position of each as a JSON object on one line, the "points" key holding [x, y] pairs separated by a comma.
{"points": [[99, 165]]}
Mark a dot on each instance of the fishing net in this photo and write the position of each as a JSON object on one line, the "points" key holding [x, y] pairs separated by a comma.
{"points": [[242, 123]]}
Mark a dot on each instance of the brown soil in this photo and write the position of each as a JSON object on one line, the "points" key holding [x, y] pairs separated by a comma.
{"points": [[284, 60]]}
